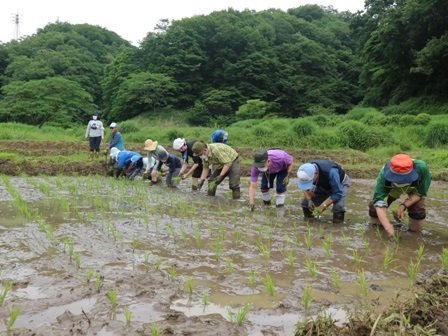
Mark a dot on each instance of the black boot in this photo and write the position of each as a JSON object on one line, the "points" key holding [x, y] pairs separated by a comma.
{"points": [[338, 217], [267, 202], [307, 213], [236, 193]]}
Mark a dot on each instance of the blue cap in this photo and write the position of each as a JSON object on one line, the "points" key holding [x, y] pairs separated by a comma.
{"points": [[305, 176]]}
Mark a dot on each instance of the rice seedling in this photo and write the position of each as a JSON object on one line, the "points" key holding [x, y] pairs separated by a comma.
{"points": [[172, 272], [307, 297], [241, 315], [89, 274], [346, 240], [264, 250], [413, 269], [316, 213], [252, 278], [146, 257], [270, 286], [420, 253], [312, 267], [328, 243], [291, 259], [4, 292], [229, 265], [171, 231], [204, 300], [388, 259], [308, 239], [238, 235], [321, 231], [71, 248], [183, 235], [189, 285], [218, 249], [134, 242], [356, 256], [13, 314], [366, 242], [127, 316], [362, 282], [98, 282], [112, 296], [155, 330], [197, 237], [157, 264], [444, 257], [77, 259], [335, 279]]}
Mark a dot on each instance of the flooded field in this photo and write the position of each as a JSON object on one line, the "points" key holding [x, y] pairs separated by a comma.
{"points": [[99, 256]]}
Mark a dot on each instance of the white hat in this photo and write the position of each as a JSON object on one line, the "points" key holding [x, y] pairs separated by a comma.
{"points": [[178, 143], [113, 125], [114, 152]]}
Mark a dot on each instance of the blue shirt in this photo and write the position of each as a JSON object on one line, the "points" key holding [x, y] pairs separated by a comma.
{"points": [[117, 141], [219, 136], [124, 158]]}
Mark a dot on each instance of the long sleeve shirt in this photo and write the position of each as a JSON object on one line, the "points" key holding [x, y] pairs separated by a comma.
{"points": [[94, 129], [116, 141]]}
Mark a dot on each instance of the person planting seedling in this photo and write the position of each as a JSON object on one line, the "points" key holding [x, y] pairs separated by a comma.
{"points": [[324, 183]]}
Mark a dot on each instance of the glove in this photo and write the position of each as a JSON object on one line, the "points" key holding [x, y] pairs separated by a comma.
{"points": [[311, 205], [200, 183], [252, 207], [286, 181], [219, 179]]}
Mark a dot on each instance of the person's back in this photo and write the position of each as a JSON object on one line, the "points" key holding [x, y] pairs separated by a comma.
{"points": [[220, 136]]}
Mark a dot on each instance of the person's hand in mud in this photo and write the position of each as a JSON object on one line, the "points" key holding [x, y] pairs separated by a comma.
{"points": [[399, 215], [311, 205], [252, 207], [219, 179], [183, 176]]}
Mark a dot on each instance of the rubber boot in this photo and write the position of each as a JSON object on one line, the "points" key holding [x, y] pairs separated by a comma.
{"points": [[415, 225], [236, 193], [267, 202], [307, 213], [338, 217]]}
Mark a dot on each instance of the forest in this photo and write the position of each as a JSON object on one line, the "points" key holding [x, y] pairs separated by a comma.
{"points": [[233, 65]]}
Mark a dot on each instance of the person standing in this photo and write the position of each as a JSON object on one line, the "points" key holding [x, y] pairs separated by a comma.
{"points": [[273, 164], [154, 150], [321, 180], [401, 176], [225, 161], [116, 139], [220, 136], [186, 150], [95, 133]]}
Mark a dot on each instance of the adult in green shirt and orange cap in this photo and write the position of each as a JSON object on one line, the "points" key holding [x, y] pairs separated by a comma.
{"points": [[401, 176]]}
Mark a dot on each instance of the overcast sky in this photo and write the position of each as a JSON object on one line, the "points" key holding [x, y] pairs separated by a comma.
{"points": [[131, 19]]}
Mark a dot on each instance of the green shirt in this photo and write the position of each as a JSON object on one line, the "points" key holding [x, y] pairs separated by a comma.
{"points": [[220, 155], [421, 188]]}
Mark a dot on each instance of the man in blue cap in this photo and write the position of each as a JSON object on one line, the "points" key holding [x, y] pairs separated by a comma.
{"points": [[401, 176], [324, 183], [220, 136]]}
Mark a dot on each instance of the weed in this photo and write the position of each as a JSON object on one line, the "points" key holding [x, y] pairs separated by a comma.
{"points": [[112, 296], [270, 286], [4, 292], [13, 314], [241, 315]]}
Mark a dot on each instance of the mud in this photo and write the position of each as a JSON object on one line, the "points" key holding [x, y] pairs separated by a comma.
{"points": [[147, 243]]}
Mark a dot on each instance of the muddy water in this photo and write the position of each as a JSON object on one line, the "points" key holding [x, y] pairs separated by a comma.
{"points": [[184, 262]]}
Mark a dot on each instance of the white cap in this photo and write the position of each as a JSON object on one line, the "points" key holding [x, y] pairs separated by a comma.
{"points": [[114, 152], [178, 143], [113, 125]]}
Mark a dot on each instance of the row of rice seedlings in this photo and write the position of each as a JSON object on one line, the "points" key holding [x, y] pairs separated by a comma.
{"points": [[20, 203], [241, 315], [7, 287]]}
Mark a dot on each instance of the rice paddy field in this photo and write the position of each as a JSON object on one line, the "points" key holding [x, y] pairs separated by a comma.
{"points": [[101, 256]]}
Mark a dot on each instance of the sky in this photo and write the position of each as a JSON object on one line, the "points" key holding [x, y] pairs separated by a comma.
{"points": [[131, 19]]}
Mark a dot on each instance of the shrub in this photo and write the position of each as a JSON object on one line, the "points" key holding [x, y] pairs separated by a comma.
{"points": [[262, 131], [128, 126], [173, 133], [422, 119], [357, 136], [278, 125], [303, 127], [437, 135], [198, 115]]}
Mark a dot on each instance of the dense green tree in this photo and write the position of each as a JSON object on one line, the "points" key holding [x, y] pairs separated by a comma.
{"points": [[142, 92], [37, 102]]}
